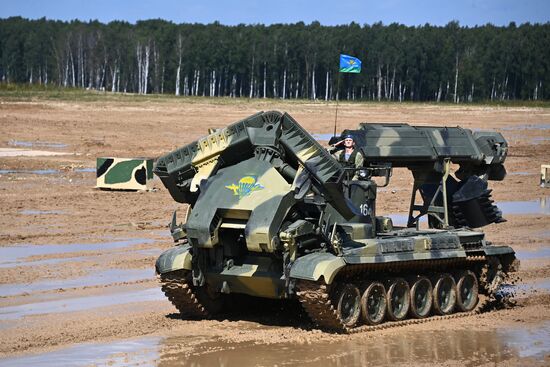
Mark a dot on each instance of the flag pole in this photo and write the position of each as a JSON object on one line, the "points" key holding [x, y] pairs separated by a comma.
{"points": [[348, 64], [337, 95]]}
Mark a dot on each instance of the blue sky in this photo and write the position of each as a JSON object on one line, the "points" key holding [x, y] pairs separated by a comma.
{"points": [[411, 12]]}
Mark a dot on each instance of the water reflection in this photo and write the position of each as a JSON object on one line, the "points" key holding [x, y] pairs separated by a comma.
{"points": [[41, 212], [539, 253], [11, 256], [541, 126], [521, 173], [43, 171], [30, 172], [79, 303], [461, 347], [322, 137], [467, 347], [124, 353], [86, 169], [99, 278], [20, 143], [400, 220], [529, 342], [539, 206]]}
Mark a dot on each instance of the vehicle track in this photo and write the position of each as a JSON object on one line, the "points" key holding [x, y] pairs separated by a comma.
{"points": [[316, 301], [177, 289]]}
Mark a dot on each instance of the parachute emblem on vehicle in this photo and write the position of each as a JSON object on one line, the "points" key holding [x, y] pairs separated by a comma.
{"points": [[245, 186]]}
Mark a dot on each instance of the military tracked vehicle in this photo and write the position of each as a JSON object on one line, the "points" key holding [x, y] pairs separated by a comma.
{"points": [[271, 213]]}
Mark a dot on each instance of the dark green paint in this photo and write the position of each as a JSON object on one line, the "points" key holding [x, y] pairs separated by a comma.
{"points": [[165, 262], [121, 172], [149, 169]]}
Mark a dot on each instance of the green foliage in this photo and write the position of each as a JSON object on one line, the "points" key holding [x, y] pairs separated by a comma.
{"points": [[40, 92], [400, 63]]}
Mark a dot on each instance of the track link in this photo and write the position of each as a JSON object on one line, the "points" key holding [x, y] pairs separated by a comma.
{"points": [[316, 302], [393, 324], [177, 289]]}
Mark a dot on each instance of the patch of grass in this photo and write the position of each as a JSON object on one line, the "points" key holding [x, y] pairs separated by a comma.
{"points": [[28, 93], [36, 92], [515, 103], [25, 92]]}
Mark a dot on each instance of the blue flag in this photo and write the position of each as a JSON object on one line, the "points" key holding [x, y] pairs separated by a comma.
{"points": [[349, 64]]}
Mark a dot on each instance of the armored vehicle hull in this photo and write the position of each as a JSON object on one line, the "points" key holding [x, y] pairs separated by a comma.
{"points": [[271, 214]]}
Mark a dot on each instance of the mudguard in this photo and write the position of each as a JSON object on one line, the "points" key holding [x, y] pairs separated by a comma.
{"points": [[498, 250], [176, 258], [313, 266]]}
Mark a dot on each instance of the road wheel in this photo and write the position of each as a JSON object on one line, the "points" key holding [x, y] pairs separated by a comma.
{"points": [[373, 303], [467, 291], [398, 299], [444, 294], [421, 297], [349, 304]]}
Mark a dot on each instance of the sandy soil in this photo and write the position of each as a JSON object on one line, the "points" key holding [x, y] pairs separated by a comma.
{"points": [[61, 207]]}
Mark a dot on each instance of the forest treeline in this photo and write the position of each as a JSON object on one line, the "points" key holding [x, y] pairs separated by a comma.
{"points": [[400, 63]]}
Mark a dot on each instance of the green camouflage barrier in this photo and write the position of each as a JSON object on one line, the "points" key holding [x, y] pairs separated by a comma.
{"points": [[124, 173]]}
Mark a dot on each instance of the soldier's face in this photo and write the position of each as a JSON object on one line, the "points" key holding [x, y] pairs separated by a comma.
{"points": [[348, 142]]}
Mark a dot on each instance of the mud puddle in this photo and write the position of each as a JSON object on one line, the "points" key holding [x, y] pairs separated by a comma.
{"points": [[540, 206], [41, 212], [400, 220], [466, 347], [80, 303], [44, 171], [43, 262], [101, 278], [469, 347], [42, 144], [11, 256], [539, 253], [17, 152], [542, 126], [29, 172], [322, 137], [526, 289], [150, 252], [125, 353]]}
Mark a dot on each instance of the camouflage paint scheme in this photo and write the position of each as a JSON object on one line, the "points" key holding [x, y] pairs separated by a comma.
{"points": [[271, 206], [124, 173]]}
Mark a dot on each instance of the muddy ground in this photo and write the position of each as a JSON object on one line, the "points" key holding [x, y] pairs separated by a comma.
{"points": [[77, 285]]}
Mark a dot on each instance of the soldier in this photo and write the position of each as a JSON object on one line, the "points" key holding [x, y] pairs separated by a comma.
{"points": [[349, 157]]}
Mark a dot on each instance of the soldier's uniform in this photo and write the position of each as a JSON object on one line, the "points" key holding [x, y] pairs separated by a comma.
{"points": [[353, 160]]}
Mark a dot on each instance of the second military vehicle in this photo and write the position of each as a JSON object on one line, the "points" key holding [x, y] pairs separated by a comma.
{"points": [[272, 214]]}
